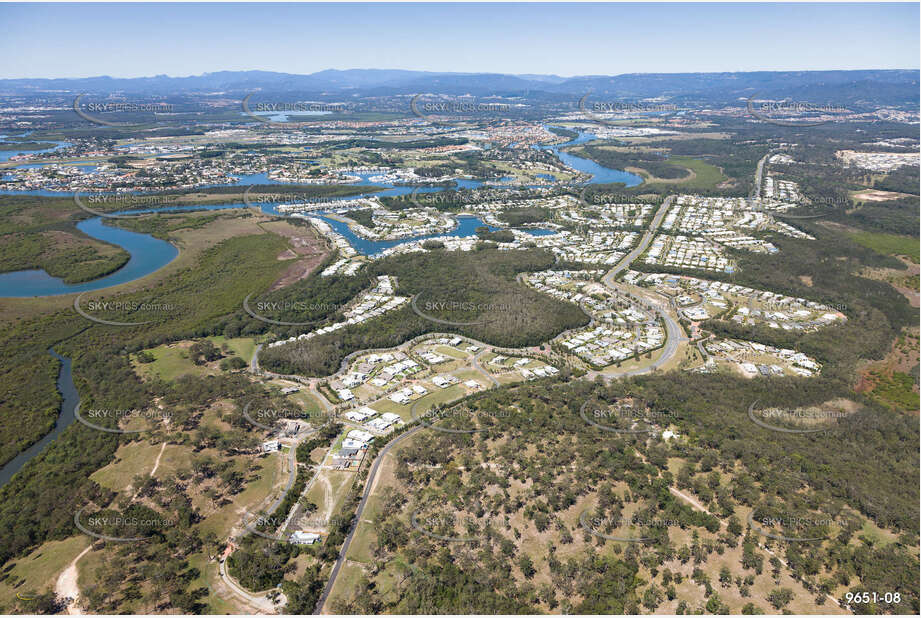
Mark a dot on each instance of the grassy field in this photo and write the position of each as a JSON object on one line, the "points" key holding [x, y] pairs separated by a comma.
{"points": [[889, 244], [191, 243], [38, 571], [209, 575], [434, 397], [131, 460], [244, 347], [704, 176], [337, 484], [172, 360], [307, 401], [346, 584]]}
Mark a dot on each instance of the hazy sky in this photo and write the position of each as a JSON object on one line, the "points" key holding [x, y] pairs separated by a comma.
{"points": [[123, 40]]}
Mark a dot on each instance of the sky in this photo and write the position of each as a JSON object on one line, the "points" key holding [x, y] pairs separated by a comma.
{"points": [[132, 40]]}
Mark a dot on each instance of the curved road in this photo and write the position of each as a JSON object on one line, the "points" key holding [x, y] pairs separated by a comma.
{"points": [[260, 602], [477, 365], [674, 333]]}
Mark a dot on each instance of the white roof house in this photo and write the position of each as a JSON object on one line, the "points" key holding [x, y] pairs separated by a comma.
{"points": [[360, 414], [304, 538], [351, 447], [360, 435]]}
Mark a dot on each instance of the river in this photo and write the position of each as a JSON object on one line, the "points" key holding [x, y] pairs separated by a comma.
{"points": [[66, 416], [149, 254]]}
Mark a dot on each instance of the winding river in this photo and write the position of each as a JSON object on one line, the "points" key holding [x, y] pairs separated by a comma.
{"points": [[149, 254], [66, 416]]}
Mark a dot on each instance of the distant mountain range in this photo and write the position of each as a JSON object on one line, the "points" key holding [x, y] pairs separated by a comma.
{"points": [[864, 87]]}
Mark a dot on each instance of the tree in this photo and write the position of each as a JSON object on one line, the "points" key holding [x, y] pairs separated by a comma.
{"points": [[715, 606], [780, 597], [526, 566], [652, 597]]}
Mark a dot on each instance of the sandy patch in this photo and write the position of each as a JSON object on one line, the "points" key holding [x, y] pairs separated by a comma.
{"points": [[874, 195], [66, 586]]}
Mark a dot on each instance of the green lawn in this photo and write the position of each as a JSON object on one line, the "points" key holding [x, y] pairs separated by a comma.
{"points": [[706, 176], [434, 397], [307, 401], [38, 570], [889, 244], [172, 360], [244, 347]]}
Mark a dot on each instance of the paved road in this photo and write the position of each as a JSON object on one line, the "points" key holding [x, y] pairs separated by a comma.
{"points": [[759, 174], [369, 483], [254, 364], [674, 333], [476, 364], [261, 603], [644, 241]]}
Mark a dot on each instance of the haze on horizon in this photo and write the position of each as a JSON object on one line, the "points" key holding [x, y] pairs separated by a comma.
{"points": [[121, 40]]}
